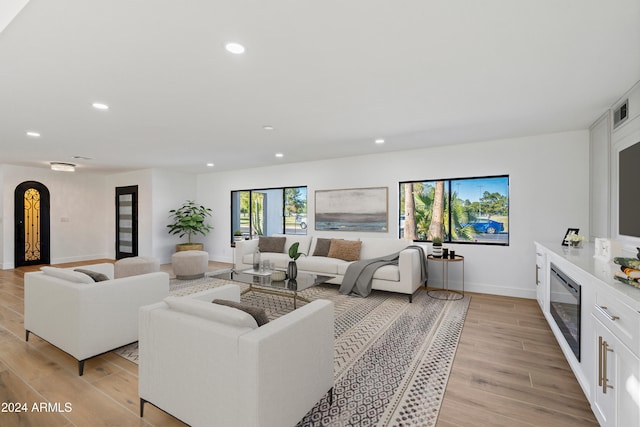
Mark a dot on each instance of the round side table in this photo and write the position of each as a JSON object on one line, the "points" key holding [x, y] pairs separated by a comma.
{"points": [[445, 277]]}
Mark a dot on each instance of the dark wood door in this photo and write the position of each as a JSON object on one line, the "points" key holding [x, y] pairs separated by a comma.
{"points": [[31, 224], [126, 221]]}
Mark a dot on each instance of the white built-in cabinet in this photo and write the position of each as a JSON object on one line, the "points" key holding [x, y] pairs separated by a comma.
{"points": [[616, 395], [541, 280], [609, 367], [599, 172]]}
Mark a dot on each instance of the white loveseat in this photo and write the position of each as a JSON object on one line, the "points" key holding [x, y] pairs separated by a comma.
{"points": [[85, 318], [211, 365], [404, 278]]}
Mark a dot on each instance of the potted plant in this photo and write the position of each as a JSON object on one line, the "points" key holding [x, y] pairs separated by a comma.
{"points": [[437, 247], [189, 219], [575, 240], [237, 235], [292, 268]]}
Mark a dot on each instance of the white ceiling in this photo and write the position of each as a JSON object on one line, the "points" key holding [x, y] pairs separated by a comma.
{"points": [[330, 76]]}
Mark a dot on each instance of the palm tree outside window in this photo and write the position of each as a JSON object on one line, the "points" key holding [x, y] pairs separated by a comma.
{"points": [[459, 210]]}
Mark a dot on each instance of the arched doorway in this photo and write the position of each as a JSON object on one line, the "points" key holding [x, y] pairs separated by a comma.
{"points": [[32, 224]]}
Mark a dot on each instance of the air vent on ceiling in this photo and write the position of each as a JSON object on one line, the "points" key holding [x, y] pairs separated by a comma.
{"points": [[621, 113]]}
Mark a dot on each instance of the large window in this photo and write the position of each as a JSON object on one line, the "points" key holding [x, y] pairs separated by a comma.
{"points": [[267, 211], [461, 210]]}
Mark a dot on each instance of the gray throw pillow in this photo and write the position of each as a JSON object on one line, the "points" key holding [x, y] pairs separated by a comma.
{"points": [[97, 277], [271, 244], [322, 247], [258, 313]]}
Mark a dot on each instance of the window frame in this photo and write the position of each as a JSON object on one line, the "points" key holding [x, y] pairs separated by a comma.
{"points": [[251, 234], [449, 182]]}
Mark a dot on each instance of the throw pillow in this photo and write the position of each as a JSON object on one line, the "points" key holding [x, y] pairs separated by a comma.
{"points": [[322, 247], [258, 313], [69, 275], [97, 277], [271, 244], [348, 250]]}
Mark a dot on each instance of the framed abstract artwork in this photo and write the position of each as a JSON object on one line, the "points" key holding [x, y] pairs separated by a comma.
{"points": [[352, 209]]}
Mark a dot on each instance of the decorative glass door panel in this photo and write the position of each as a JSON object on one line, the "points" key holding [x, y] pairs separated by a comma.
{"points": [[31, 224], [126, 221]]}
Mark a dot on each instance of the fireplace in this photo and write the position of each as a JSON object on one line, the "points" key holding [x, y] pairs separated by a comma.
{"points": [[565, 307]]}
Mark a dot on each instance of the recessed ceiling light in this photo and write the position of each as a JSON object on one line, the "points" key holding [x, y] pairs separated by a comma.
{"points": [[379, 141], [210, 165], [33, 134], [236, 48], [100, 106], [268, 127], [63, 167], [279, 155]]}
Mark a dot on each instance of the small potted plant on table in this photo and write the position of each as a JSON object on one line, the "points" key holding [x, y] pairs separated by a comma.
{"points": [[437, 247], [575, 240], [292, 268]]}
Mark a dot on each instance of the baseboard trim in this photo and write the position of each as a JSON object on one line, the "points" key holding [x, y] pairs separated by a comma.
{"points": [[483, 288], [79, 258]]}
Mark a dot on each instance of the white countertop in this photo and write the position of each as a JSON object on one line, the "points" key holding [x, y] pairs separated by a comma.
{"points": [[602, 270]]}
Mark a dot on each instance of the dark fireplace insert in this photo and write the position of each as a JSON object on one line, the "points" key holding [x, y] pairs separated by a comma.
{"points": [[565, 307]]}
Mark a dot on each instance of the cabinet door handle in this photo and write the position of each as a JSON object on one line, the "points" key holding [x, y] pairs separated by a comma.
{"points": [[537, 278], [599, 361], [605, 380], [603, 309]]}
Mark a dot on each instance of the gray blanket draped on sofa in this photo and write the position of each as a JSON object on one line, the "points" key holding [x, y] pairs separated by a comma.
{"points": [[357, 278]]}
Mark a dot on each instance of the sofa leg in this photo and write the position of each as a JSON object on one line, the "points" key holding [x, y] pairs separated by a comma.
{"points": [[410, 298], [80, 367], [142, 402], [331, 396], [26, 336]]}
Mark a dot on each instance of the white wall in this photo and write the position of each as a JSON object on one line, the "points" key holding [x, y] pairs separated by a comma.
{"points": [[87, 201], [158, 192], [170, 191], [549, 192], [77, 207]]}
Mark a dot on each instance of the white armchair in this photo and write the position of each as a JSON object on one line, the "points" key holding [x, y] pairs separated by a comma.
{"points": [[86, 318], [207, 364]]}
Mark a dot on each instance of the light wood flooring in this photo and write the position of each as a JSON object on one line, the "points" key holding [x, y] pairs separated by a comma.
{"points": [[508, 371]]}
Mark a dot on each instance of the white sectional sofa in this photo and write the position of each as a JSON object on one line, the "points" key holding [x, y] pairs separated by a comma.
{"points": [[85, 318], [404, 278]]}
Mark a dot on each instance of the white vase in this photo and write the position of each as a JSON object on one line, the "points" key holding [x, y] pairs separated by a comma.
{"points": [[437, 251]]}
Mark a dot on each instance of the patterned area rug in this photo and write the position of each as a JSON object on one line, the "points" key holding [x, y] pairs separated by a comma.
{"points": [[392, 358]]}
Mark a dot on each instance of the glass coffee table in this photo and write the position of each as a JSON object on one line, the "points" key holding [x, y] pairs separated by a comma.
{"points": [[263, 282]]}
